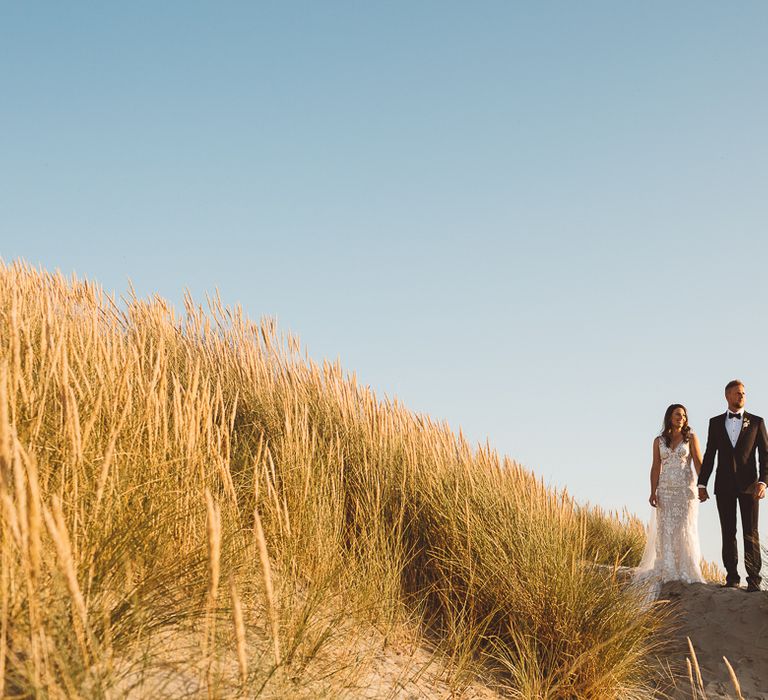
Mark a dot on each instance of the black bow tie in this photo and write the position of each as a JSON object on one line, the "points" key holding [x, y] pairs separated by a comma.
{"points": [[734, 415]]}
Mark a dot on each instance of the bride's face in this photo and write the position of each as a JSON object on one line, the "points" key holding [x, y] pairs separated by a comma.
{"points": [[679, 418]]}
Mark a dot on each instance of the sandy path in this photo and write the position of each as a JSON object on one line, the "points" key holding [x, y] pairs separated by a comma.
{"points": [[723, 622]]}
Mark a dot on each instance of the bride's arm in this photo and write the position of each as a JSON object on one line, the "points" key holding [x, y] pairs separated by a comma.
{"points": [[655, 471], [696, 453]]}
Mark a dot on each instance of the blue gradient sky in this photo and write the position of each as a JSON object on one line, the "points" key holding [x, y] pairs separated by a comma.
{"points": [[542, 222]]}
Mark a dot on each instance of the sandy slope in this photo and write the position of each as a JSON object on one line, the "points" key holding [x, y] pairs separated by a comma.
{"points": [[406, 671], [380, 668], [723, 622], [720, 622]]}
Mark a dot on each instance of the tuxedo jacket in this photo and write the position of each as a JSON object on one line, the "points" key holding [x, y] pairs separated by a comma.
{"points": [[737, 467]]}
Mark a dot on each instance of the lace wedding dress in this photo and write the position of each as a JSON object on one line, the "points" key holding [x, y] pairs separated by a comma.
{"points": [[672, 551]]}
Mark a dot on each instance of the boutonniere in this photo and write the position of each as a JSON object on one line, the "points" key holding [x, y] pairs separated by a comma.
{"points": [[745, 424]]}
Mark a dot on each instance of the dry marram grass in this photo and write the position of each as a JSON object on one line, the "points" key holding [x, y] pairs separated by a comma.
{"points": [[145, 457]]}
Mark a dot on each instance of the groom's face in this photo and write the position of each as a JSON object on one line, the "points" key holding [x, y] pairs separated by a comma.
{"points": [[736, 397]]}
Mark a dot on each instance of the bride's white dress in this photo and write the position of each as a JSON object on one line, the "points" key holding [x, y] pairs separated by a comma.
{"points": [[672, 550]]}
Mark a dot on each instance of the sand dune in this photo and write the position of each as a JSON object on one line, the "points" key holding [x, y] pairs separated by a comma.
{"points": [[723, 622], [719, 621]]}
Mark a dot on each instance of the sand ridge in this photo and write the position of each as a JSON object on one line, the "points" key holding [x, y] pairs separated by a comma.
{"points": [[722, 622]]}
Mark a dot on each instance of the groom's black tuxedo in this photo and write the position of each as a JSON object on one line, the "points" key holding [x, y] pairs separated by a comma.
{"points": [[736, 466], [737, 471]]}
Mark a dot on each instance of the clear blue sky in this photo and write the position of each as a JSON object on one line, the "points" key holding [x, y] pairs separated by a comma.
{"points": [[542, 222]]}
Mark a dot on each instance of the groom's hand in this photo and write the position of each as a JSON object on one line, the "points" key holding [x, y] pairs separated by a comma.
{"points": [[760, 491], [703, 495]]}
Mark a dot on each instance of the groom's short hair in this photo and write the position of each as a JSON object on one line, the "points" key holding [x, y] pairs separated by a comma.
{"points": [[733, 383]]}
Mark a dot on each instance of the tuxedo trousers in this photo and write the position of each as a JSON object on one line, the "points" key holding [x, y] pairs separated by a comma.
{"points": [[748, 506]]}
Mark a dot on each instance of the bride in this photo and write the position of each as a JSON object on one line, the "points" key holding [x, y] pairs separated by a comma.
{"points": [[672, 550]]}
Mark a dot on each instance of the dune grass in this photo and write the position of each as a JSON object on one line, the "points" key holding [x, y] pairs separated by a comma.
{"points": [[193, 506]]}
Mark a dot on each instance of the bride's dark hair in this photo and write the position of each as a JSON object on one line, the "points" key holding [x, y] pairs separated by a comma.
{"points": [[666, 431]]}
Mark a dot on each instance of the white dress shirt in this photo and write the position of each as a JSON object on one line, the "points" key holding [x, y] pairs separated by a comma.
{"points": [[733, 425]]}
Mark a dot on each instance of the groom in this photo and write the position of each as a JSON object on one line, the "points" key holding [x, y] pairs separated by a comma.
{"points": [[734, 437]]}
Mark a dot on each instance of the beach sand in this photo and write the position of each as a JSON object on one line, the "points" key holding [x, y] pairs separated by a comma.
{"points": [[722, 622]]}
